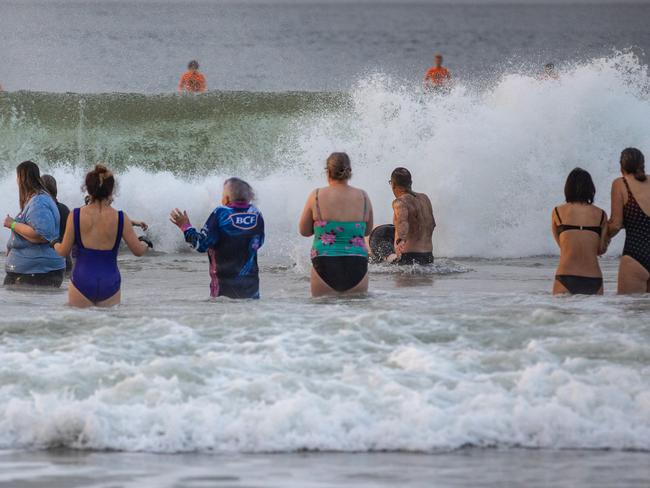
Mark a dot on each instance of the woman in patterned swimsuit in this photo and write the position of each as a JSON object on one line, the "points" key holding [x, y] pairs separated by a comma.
{"points": [[339, 217], [631, 210]]}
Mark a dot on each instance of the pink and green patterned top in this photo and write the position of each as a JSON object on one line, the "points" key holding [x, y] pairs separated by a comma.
{"points": [[335, 238]]}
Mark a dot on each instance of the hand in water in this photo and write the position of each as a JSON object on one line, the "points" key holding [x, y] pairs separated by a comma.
{"points": [[179, 219], [8, 221]]}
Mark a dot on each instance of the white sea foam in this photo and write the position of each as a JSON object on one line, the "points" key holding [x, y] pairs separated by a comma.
{"points": [[493, 160], [336, 385]]}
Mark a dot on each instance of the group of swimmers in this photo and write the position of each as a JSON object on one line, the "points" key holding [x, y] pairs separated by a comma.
{"points": [[583, 231], [193, 81], [338, 216]]}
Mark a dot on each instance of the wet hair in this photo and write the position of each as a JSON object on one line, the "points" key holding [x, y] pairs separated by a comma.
{"points": [[579, 187], [238, 190], [549, 66], [633, 163], [401, 177], [99, 184], [50, 184], [29, 182], [339, 167], [438, 55], [194, 64]]}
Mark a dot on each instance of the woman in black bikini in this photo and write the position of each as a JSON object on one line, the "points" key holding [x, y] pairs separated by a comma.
{"points": [[631, 210], [580, 229]]}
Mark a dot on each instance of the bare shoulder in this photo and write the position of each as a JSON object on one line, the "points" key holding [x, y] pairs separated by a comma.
{"points": [[618, 184], [598, 211]]}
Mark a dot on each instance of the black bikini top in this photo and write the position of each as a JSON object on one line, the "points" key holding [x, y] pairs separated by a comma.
{"points": [[562, 227]]}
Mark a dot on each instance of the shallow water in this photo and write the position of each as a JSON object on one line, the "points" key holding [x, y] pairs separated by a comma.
{"points": [[427, 362], [470, 375], [479, 468]]}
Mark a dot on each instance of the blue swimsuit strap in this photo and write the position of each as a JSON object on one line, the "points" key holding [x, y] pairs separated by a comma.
{"points": [[120, 229], [77, 228]]}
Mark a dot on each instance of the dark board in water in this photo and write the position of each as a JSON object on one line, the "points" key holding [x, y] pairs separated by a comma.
{"points": [[381, 242]]}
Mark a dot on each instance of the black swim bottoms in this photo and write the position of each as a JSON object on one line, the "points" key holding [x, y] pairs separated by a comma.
{"points": [[341, 273], [53, 279], [411, 258], [580, 285]]}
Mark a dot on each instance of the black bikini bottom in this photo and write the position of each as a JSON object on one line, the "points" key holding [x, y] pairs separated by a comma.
{"points": [[341, 273], [411, 258], [580, 285]]}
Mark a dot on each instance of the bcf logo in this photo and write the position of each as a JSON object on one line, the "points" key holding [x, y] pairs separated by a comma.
{"points": [[244, 221]]}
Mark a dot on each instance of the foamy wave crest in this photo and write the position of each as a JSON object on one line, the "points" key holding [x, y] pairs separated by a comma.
{"points": [[277, 395], [493, 159]]}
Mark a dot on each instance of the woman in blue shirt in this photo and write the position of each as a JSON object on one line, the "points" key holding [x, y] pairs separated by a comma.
{"points": [[30, 259]]}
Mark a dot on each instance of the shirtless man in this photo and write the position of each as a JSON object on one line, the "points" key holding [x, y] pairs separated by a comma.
{"points": [[413, 219]]}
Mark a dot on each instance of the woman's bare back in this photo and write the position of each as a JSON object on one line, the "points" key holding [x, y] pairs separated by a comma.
{"points": [[341, 202], [98, 227]]}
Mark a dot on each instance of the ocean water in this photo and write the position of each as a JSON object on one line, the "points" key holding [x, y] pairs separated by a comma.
{"points": [[468, 374]]}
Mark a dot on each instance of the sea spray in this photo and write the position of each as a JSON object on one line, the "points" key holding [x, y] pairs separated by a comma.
{"points": [[493, 160]]}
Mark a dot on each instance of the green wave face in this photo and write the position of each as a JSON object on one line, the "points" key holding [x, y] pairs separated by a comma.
{"points": [[182, 134]]}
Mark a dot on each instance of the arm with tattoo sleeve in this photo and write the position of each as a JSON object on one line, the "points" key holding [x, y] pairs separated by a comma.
{"points": [[401, 220]]}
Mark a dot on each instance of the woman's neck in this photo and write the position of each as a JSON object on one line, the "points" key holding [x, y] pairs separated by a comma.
{"points": [[100, 204], [338, 183]]}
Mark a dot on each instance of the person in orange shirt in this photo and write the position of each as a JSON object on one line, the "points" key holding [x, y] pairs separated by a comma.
{"points": [[437, 76], [192, 81]]}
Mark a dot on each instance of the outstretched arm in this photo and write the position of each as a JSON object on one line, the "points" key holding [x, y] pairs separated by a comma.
{"points": [[65, 246], [137, 247], [139, 223], [201, 240]]}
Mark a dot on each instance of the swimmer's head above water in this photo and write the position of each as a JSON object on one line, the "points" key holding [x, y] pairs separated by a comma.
{"points": [[579, 187], [338, 167], [193, 65], [633, 163], [437, 60], [100, 184], [28, 176], [50, 184], [237, 190], [401, 181]]}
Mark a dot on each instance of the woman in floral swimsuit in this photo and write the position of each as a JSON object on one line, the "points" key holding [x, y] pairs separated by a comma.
{"points": [[339, 217]]}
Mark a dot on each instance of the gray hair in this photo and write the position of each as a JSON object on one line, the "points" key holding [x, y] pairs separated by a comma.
{"points": [[238, 190]]}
